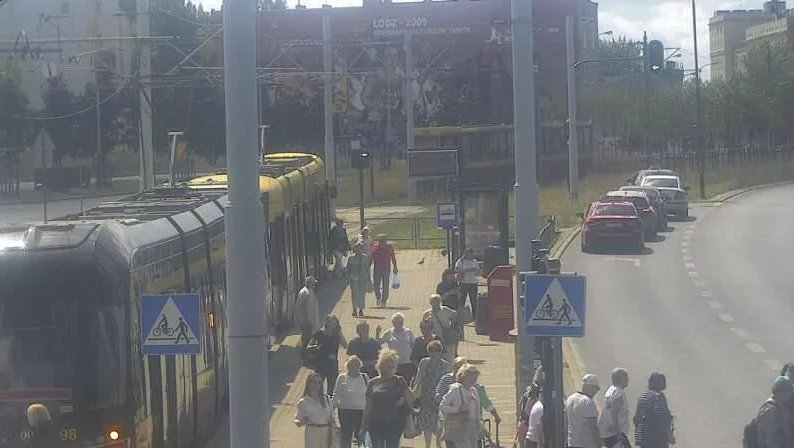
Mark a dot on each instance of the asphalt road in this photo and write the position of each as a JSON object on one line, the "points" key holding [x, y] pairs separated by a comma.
{"points": [[26, 213], [710, 306]]}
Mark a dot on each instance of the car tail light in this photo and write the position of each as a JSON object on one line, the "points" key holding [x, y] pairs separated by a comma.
{"points": [[646, 210]]}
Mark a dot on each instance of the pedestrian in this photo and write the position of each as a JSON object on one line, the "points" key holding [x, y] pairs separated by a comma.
{"points": [[365, 238], [445, 324], [357, 271], [327, 342], [384, 262], [582, 415], [774, 428], [44, 433], [653, 422], [449, 290], [400, 339], [419, 351], [365, 348], [449, 379], [388, 404], [315, 413], [482, 397], [535, 436], [467, 270], [462, 410], [338, 245], [307, 310], [788, 372], [429, 373], [614, 423], [350, 397]]}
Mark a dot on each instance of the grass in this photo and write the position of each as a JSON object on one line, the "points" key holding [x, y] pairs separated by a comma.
{"points": [[420, 231]]}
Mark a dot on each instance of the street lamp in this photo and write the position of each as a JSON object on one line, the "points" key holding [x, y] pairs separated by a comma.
{"points": [[698, 130]]}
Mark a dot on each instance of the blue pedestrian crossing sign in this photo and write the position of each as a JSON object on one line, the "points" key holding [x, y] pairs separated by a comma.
{"points": [[171, 324], [554, 305]]}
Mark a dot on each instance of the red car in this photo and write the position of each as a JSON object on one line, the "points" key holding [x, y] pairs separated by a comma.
{"points": [[612, 221]]}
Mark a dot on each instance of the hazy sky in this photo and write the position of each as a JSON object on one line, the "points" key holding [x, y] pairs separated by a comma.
{"points": [[667, 20]]}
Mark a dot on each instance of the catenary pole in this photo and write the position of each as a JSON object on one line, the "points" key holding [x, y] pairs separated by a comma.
{"points": [[328, 107], [245, 229], [698, 130], [147, 138], [573, 133], [409, 92], [526, 186]]}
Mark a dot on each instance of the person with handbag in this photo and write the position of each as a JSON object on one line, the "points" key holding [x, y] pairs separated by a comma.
{"points": [[325, 344], [445, 324], [350, 396], [388, 404], [315, 413], [431, 369], [653, 422], [461, 409]]}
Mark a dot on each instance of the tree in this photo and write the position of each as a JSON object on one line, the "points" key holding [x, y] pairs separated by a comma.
{"points": [[620, 48], [60, 117], [14, 129], [271, 4]]}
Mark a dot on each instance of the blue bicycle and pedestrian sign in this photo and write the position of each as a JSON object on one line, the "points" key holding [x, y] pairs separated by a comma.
{"points": [[554, 305], [171, 324]]}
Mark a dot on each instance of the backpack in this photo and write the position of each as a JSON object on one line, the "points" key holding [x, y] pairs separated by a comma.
{"points": [[750, 435]]}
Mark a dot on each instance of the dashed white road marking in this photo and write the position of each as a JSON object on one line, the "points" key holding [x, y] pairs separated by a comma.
{"points": [[693, 226], [726, 317], [690, 265], [694, 274], [699, 283], [774, 364], [706, 293], [635, 261], [740, 333], [688, 258], [715, 305], [684, 243], [755, 347]]}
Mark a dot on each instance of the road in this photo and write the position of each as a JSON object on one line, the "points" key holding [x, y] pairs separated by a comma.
{"points": [[682, 308], [25, 213]]}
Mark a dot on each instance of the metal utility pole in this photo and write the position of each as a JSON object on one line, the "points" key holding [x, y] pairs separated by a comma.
{"points": [[645, 90], [526, 186], [246, 263], [172, 170], [100, 174], [409, 92], [328, 108], [262, 129], [573, 133], [698, 130], [147, 139]]}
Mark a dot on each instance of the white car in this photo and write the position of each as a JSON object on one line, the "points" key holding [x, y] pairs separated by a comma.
{"points": [[673, 192]]}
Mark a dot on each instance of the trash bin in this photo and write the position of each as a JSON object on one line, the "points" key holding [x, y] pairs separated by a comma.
{"points": [[494, 256], [481, 326]]}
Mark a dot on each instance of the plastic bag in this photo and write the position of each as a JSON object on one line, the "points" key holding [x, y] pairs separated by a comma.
{"points": [[395, 282]]}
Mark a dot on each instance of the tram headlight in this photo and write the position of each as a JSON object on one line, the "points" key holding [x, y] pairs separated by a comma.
{"points": [[113, 435]]}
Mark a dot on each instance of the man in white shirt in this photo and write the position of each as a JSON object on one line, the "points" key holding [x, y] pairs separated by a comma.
{"points": [[307, 311], [535, 432], [613, 423], [583, 415]]}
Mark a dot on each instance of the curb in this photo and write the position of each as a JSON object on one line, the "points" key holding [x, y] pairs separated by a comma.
{"points": [[69, 198], [727, 196]]}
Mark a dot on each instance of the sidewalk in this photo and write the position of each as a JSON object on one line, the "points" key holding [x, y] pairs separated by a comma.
{"points": [[494, 359]]}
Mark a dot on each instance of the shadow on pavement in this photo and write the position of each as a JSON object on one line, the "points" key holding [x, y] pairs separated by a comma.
{"points": [[657, 239]]}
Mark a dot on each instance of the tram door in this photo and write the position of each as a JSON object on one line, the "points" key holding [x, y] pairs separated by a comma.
{"points": [[484, 225]]}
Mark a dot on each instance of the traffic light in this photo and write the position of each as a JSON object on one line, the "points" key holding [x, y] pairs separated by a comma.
{"points": [[655, 56], [360, 159]]}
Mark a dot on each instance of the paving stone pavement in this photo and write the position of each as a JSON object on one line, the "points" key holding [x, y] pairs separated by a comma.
{"points": [[420, 271]]}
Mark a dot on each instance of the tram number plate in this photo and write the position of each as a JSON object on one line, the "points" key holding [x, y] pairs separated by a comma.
{"points": [[69, 434]]}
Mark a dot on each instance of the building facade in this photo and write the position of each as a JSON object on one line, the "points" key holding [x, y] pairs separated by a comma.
{"points": [[729, 32], [40, 39]]}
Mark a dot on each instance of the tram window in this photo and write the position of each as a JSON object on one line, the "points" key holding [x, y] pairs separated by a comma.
{"points": [[108, 349]]}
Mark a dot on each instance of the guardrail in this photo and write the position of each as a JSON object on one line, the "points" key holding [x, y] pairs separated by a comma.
{"points": [[422, 232]]}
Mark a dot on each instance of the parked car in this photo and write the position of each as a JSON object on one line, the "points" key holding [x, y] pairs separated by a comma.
{"points": [[673, 191], [638, 177], [643, 205], [657, 202], [612, 222]]}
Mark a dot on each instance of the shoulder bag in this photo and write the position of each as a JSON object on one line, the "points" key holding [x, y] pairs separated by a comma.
{"points": [[455, 423]]}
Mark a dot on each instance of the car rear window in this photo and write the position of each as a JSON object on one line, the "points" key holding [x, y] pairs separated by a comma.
{"points": [[664, 182], [614, 210]]}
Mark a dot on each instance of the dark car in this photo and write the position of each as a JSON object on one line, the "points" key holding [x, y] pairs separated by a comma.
{"points": [[643, 205], [657, 202], [612, 222]]}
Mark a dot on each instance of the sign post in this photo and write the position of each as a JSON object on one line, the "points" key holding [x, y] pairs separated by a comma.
{"points": [[554, 308], [448, 220]]}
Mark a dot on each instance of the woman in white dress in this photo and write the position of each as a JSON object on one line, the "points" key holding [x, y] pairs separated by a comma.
{"points": [[316, 414]]}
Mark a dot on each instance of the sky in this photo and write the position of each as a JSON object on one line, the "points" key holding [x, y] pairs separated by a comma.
{"points": [[669, 21]]}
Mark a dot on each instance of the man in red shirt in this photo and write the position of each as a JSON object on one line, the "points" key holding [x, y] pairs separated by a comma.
{"points": [[383, 259]]}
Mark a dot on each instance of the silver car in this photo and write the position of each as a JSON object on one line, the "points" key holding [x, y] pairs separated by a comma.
{"points": [[673, 192]]}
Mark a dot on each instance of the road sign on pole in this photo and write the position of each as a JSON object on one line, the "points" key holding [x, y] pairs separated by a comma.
{"points": [[171, 324], [447, 215], [555, 305]]}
